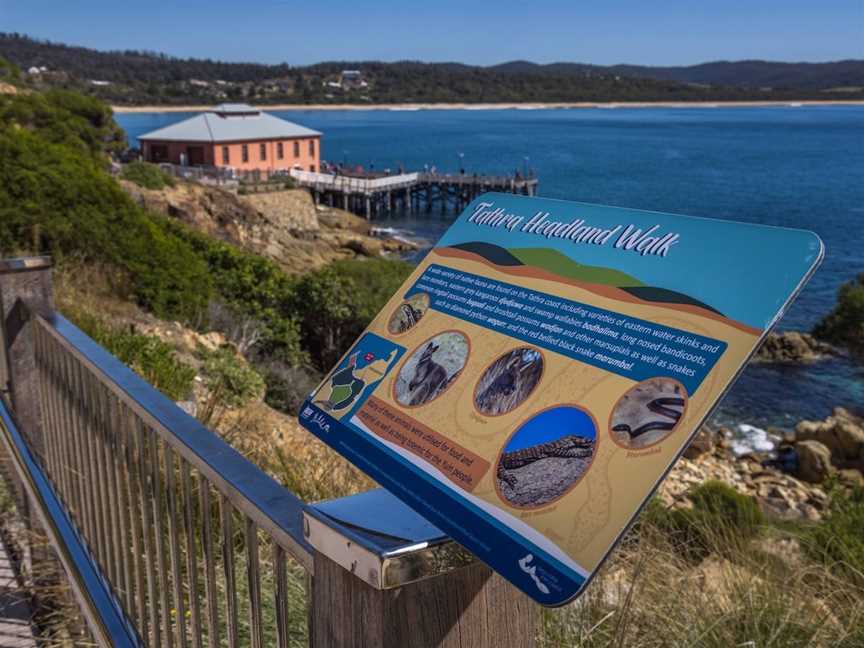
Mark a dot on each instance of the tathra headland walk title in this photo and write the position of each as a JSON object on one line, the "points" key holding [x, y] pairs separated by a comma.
{"points": [[628, 238]]}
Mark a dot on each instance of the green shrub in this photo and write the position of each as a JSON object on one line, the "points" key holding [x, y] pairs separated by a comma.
{"points": [[337, 302], [147, 175], [721, 520], [151, 358], [838, 540], [844, 326], [232, 382], [288, 387], [56, 197]]}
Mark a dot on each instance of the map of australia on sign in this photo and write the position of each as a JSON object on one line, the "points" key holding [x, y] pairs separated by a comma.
{"points": [[543, 367]]}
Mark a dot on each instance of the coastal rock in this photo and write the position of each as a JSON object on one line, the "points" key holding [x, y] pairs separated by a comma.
{"points": [[814, 461], [366, 246], [701, 444], [842, 433], [792, 346], [291, 209], [283, 226]]}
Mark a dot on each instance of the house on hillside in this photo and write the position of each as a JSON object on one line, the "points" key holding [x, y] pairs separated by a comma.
{"points": [[236, 136]]}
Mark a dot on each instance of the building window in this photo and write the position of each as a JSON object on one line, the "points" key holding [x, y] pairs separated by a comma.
{"points": [[296, 149], [312, 148], [312, 168], [245, 152], [280, 151], [226, 155], [262, 149]]}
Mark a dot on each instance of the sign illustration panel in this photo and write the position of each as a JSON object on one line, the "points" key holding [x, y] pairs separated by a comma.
{"points": [[543, 367]]}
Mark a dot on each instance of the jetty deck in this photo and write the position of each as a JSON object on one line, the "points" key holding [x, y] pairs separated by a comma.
{"points": [[371, 195]]}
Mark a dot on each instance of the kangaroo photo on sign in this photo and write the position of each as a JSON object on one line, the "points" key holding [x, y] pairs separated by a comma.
{"points": [[540, 371]]}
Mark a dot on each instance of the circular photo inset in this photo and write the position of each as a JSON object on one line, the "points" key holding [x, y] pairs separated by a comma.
{"points": [[648, 413], [408, 313], [508, 381], [546, 456], [431, 369]]}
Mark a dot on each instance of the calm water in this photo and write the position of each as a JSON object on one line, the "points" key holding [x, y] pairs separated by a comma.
{"points": [[797, 167]]}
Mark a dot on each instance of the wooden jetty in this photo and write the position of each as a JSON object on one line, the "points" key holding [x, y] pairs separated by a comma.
{"points": [[371, 195]]}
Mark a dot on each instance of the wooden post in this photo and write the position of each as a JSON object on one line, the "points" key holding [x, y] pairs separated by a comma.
{"points": [[466, 608], [25, 288]]}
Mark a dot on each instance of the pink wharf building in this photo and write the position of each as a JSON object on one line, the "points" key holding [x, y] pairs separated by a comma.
{"points": [[235, 136]]}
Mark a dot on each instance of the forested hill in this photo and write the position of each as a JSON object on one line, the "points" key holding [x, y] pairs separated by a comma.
{"points": [[150, 78]]}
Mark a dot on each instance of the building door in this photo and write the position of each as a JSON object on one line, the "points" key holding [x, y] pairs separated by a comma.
{"points": [[195, 155]]}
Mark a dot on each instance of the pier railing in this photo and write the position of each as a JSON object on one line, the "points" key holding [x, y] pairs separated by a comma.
{"points": [[170, 537]]}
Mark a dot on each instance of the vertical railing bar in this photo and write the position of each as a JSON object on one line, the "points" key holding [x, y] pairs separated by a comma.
{"points": [[94, 480], [141, 442], [126, 430], [49, 428], [209, 564], [85, 477], [174, 546], [103, 432], [95, 393], [76, 472], [253, 575], [121, 482], [191, 558], [158, 520], [281, 594], [60, 432], [226, 517]]}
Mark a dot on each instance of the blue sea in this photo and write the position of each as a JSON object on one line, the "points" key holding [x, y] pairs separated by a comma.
{"points": [[794, 166]]}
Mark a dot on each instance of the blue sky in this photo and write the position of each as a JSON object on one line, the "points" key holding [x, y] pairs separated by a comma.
{"points": [[613, 31], [551, 425]]}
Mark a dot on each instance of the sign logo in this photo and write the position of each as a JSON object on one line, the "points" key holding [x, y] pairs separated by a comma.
{"points": [[531, 570]]}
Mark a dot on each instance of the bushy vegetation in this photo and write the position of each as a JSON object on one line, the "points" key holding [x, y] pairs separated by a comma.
{"points": [[844, 326], [720, 521], [56, 197], [147, 175], [151, 358], [231, 383], [336, 303], [838, 542]]}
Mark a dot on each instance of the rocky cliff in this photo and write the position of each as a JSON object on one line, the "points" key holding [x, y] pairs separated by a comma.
{"points": [[284, 226]]}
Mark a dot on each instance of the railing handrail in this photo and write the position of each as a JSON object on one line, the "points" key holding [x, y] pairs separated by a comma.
{"points": [[272, 507], [101, 609]]}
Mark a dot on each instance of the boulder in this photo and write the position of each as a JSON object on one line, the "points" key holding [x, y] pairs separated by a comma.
{"points": [[792, 346], [701, 444], [842, 433], [369, 247], [814, 461]]}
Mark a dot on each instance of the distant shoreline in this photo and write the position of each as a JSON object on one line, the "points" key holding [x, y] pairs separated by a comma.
{"points": [[510, 105]]}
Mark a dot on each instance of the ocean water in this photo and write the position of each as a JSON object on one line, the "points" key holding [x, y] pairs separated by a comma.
{"points": [[789, 166]]}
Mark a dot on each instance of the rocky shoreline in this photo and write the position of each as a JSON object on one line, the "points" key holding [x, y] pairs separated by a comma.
{"points": [[789, 484]]}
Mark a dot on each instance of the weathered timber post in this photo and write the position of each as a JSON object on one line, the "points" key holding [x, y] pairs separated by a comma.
{"points": [[371, 590], [25, 289]]}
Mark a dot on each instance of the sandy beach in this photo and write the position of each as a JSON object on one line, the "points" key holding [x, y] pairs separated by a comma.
{"points": [[507, 106]]}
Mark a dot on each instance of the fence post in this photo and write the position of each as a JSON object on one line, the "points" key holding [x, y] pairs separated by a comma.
{"points": [[25, 288], [370, 590]]}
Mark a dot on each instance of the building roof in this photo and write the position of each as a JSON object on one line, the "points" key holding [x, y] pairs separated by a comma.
{"points": [[230, 123]]}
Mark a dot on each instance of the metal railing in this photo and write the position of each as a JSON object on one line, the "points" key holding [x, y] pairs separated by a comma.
{"points": [[349, 184], [169, 537], [148, 488]]}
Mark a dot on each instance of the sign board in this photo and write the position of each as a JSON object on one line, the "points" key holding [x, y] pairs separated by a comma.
{"points": [[543, 367]]}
